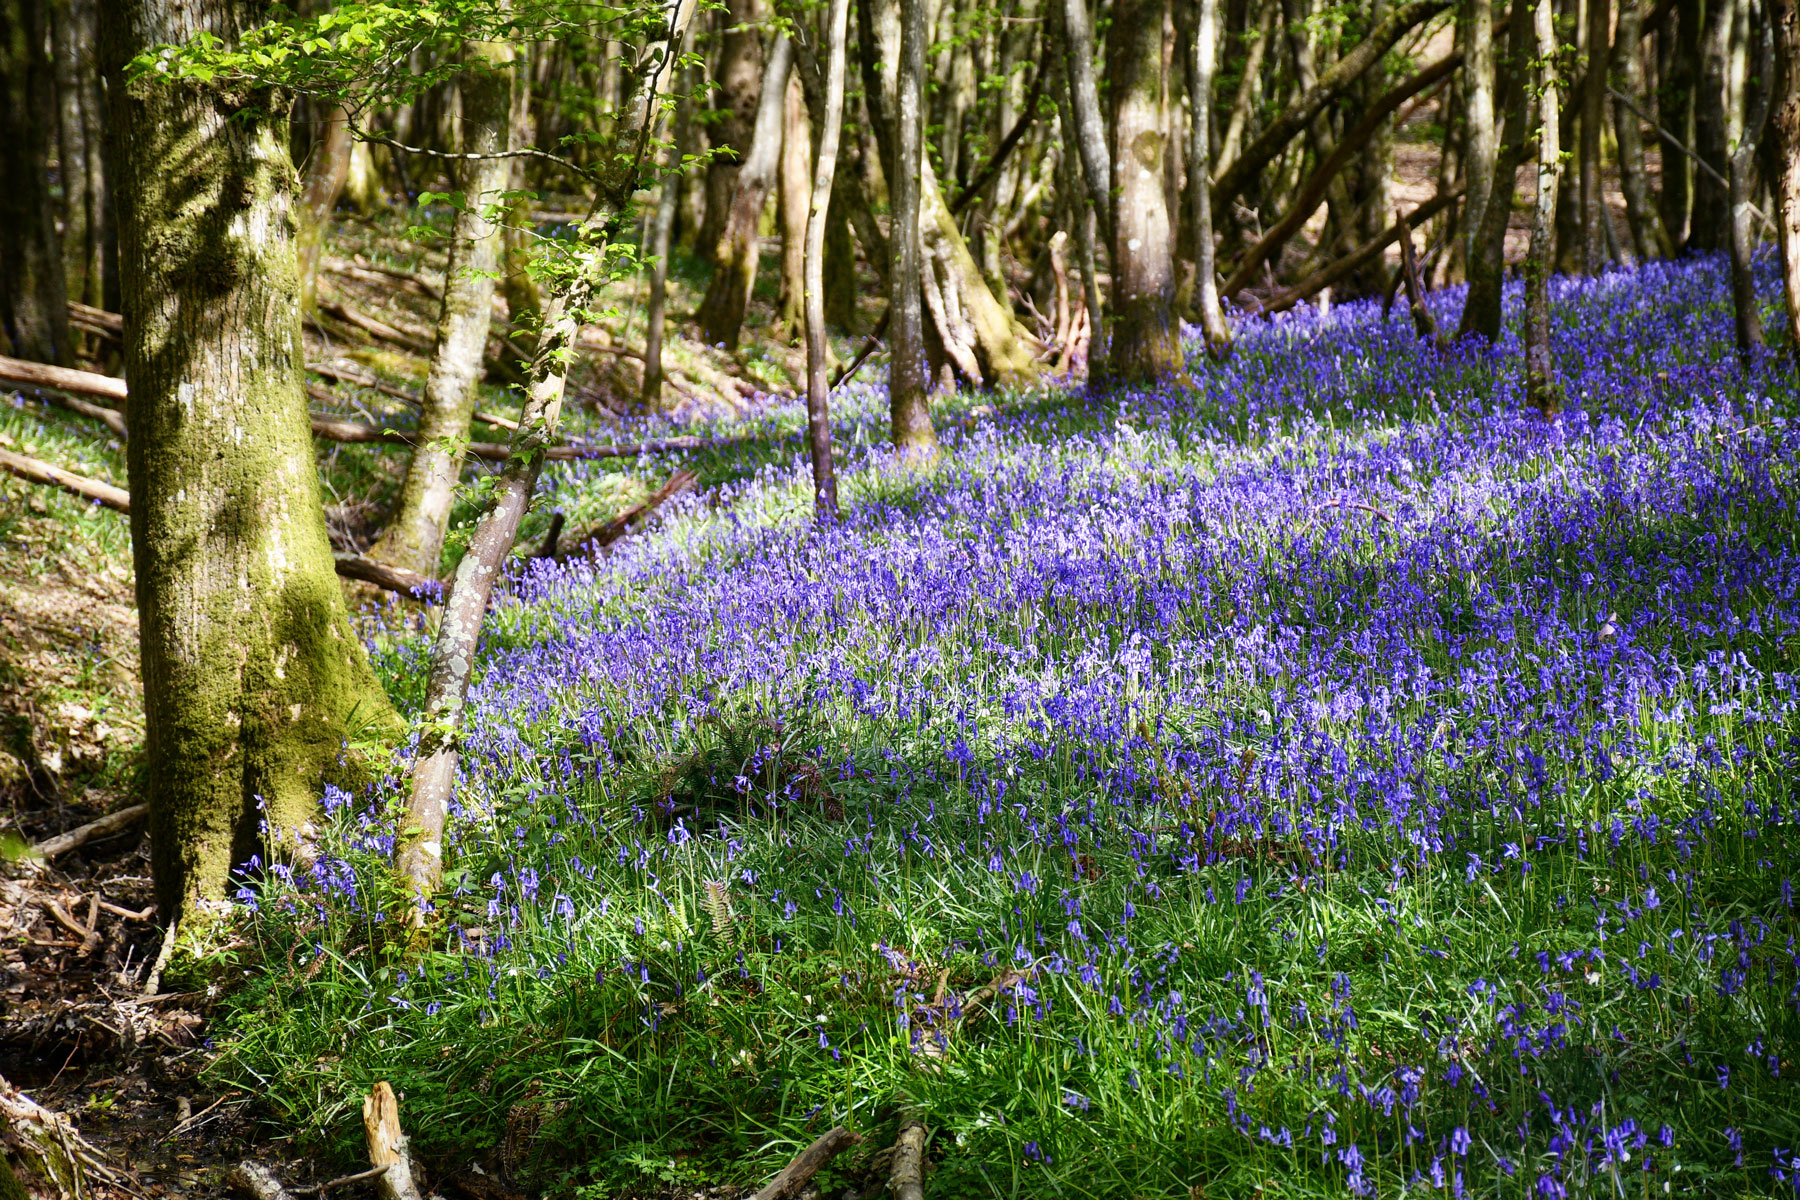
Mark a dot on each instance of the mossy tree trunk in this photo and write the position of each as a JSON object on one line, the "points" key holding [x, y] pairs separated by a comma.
{"points": [[414, 538], [33, 313], [738, 76], [1648, 237], [1487, 254], [1145, 345], [253, 675], [1540, 382], [322, 184], [909, 405], [1786, 185]]}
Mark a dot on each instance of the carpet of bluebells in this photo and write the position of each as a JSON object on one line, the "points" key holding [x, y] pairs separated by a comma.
{"points": [[1324, 778]]}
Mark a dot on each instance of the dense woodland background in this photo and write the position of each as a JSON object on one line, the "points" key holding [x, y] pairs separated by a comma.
{"points": [[348, 342]]}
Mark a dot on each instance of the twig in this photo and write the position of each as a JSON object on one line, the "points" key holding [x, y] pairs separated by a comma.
{"points": [[62, 843], [1679, 145], [1353, 504], [606, 533], [382, 139], [806, 1164], [183, 1126], [869, 347], [319, 1189], [64, 919], [394, 579]]}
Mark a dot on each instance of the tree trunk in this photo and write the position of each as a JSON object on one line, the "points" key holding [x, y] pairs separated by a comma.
{"points": [[793, 201], [840, 251], [1081, 212], [1146, 345], [909, 405], [818, 351], [1249, 88], [80, 132], [1746, 309], [1480, 145], [1678, 78], [663, 223], [33, 312], [1540, 383], [323, 183], [414, 537], [253, 676], [721, 313], [739, 78], [1084, 108], [1201, 62], [1648, 237], [1711, 224], [1785, 16], [1593, 115], [521, 290], [1487, 259], [419, 855]]}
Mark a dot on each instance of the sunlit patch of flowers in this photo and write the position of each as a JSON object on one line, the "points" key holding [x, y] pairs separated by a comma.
{"points": [[1325, 773]]}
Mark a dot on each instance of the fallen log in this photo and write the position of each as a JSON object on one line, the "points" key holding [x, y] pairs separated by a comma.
{"points": [[259, 1181], [806, 1164], [81, 835], [23, 373], [38, 471], [376, 327], [97, 320], [906, 1176], [47, 1149]]}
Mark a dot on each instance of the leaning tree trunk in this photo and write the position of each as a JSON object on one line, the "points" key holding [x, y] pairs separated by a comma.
{"points": [[818, 351], [33, 315], [1785, 16], [1146, 344], [1487, 257], [909, 406], [323, 183], [419, 855], [721, 313], [414, 537], [253, 675], [1200, 66], [1648, 237], [1540, 382]]}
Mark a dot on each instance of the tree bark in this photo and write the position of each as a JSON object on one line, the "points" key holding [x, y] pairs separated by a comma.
{"points": [[1710, 228], [79, 134], [721, 313], [326, 172], [1540, 383], [1084, 108], [1746, 309], [1593, 116], [1249, 88], [420, 853], [793, 201], [663, 222], [253, 676], [1081, 212], [1648, 237], [1480, 144], [414, 537], [909, 406], [1487, 259], [1785, 16], [739, 77], [521, 290], [818, 351], [33, 307], [1145, 346], [1200, 85], [1679, 79]]}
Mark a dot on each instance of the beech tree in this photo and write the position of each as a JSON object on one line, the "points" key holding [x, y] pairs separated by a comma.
{"points": [[33, 316], [253, 677]]}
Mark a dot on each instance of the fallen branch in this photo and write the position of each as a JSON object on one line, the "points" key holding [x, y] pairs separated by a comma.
{"points": [[97, 320], [375, 327], [1423, 322], [1360, 257], [394, 579], [398, 393], [112, 418], [906, 1175], [47, 1148], [21, 372], [806, 1164], [81, 835], [319, 1189], [259, 1181], [608, 532], [869, 347], [388, 1145], [38, 471]]}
